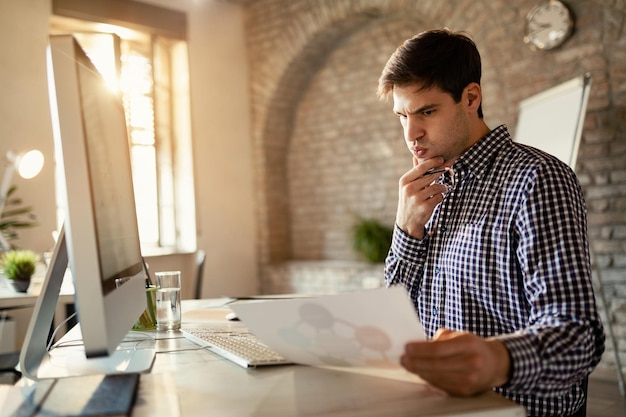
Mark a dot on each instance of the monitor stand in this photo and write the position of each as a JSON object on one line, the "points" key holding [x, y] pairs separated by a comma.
{"points": [[36, 362]]}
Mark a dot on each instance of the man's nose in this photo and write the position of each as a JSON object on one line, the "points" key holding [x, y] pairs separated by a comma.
{"points": [[413, 130]]}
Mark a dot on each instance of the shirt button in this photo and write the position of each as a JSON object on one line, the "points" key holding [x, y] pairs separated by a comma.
{"points": [[435, 311], [443, 228], [437, 270]]}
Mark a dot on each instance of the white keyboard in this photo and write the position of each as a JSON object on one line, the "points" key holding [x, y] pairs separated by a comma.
{"points": [[238, 346]]}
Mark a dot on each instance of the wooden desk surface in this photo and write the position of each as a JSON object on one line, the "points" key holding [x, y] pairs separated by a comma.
{"points": [[9, 298], [19, 306], [188, 381], [209, 385]]}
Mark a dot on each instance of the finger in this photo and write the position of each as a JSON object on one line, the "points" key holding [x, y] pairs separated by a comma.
{"points": [[445, 344], [420, 169], [415, 161], [432, 370], [443, 334], [434, 196], [443, 366]]}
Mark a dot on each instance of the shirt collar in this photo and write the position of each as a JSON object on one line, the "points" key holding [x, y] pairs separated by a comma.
{"points": [[481, 154]]}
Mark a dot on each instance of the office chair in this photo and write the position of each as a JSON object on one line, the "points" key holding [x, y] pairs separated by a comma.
{"points": [[8, 364], [200, 260], [9, 360]]}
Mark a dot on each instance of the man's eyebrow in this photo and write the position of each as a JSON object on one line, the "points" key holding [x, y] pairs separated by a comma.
{"points": [[422, 109]]}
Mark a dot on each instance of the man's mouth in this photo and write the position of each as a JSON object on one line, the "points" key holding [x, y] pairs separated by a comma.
{"points": [[418, 152]]}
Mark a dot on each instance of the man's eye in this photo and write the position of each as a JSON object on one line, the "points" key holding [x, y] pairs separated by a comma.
{"points": [[428, 112]]}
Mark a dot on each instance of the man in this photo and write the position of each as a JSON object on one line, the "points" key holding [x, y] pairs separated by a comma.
{"points": [[490, 241]]}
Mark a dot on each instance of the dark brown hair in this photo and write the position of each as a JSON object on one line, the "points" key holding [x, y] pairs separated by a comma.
{"points": [[436, 58]]}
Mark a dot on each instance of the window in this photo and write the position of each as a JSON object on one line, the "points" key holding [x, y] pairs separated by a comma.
{"points": [[149, 72]]}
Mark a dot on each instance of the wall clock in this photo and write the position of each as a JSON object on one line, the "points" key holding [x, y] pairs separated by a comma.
{"points": [[548, 25]]}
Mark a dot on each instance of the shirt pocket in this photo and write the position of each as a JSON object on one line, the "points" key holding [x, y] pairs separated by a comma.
{"points": [[482, 255]]}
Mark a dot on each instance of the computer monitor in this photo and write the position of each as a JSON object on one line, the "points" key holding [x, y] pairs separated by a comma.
{"points": [[100, 237]]}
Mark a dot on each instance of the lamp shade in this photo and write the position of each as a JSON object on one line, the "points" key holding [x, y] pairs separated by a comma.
{"points": [[28, 164]]}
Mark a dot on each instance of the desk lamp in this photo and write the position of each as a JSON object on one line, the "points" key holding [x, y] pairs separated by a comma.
{"points": [[28, 165]]}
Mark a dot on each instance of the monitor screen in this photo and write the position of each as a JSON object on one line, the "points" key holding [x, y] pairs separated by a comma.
{"points": [[100, 238], [109, 175]]}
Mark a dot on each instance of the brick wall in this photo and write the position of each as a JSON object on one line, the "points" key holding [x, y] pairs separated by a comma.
{"points": [[326, 149]]}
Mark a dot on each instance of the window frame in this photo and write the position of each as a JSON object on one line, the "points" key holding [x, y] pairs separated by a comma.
{"points": [[166, 31]]}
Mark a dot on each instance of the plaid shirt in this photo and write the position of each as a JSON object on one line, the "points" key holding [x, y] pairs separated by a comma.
{"points": [[506, 254]]}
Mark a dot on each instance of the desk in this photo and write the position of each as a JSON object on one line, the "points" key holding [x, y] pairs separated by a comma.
{"points": [[13, 300], [207, 385], [10, 299]]}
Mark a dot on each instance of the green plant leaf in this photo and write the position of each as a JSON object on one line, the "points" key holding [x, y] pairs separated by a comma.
{"points": [[371, 239], [15, 217], [19, 264]]}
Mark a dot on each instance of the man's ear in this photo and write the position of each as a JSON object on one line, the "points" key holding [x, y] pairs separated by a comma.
{"points": [[472, 96]]}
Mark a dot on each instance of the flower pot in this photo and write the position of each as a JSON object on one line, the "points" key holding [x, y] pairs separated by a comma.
{"points": [[20, 285]]}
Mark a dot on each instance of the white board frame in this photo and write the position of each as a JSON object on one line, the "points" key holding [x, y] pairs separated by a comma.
{"points": [[553, 119]]}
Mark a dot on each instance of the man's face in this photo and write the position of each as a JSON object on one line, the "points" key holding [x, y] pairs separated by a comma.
{"points": [[433, 124]]}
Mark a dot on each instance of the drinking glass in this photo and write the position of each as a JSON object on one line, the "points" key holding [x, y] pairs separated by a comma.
{"points": [[168, 300]]}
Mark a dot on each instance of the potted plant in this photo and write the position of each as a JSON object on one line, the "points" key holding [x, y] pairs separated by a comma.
{"points": [[371, 239], [15, 216], [19, 266]]}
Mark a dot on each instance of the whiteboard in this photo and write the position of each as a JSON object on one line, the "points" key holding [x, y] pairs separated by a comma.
{"points": [[553, 119]]}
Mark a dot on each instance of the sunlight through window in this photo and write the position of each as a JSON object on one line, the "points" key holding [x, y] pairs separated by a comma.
{"points": [[130, 61]]}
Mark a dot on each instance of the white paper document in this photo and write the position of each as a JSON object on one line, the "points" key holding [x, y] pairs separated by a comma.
{"points": [[365, 328]]}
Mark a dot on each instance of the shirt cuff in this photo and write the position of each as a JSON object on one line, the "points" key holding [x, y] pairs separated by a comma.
{"points": [[525, 363], [409, 248]]}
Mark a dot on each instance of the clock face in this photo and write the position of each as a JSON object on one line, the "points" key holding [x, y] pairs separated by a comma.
{"points": [[548, 25]]}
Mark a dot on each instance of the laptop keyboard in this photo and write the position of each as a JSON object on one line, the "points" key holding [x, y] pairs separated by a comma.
{"points": [[240, 347]]}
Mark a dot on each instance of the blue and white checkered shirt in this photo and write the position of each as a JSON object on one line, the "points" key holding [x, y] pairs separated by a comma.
{"points": [[506, 254]]}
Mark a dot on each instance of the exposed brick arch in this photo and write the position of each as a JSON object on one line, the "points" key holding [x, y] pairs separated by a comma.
{"points": [[277, 130], [308, 38]]}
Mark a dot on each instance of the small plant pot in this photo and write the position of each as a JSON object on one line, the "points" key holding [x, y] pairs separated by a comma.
{"points": [[20, 285]]}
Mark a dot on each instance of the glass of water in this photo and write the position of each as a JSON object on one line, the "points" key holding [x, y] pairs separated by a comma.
{"points": [[168, 300]]}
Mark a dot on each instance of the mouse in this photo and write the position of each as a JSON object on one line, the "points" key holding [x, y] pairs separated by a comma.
{"points": [[232, 316]]}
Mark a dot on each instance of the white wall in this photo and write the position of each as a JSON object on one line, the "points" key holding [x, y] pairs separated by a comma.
{"points": [[220, 128], [24, 110]]}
